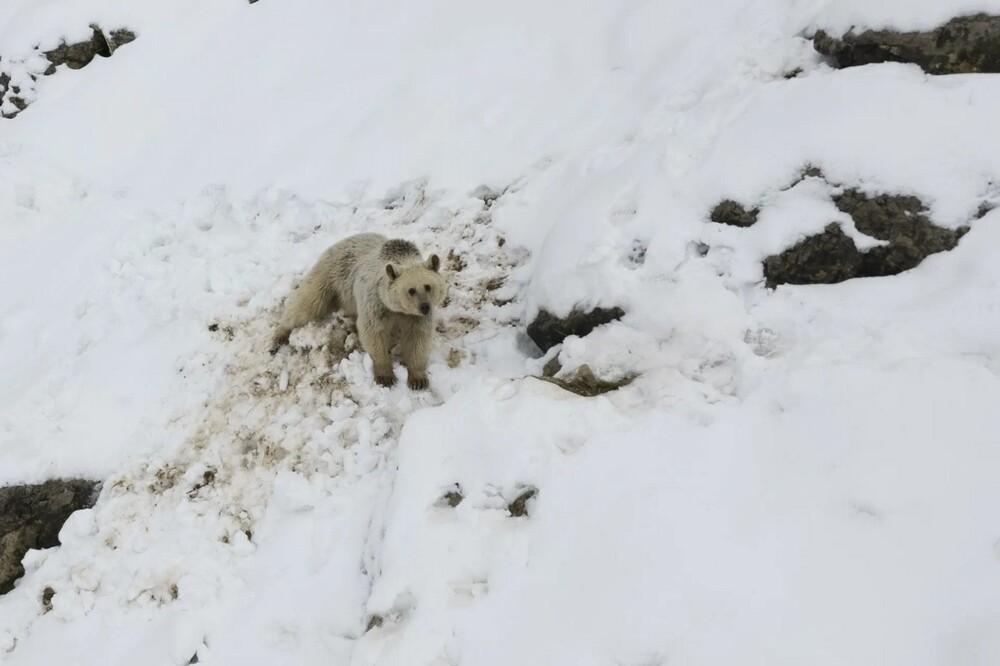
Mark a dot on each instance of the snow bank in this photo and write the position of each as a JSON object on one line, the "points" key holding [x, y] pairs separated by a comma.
{"points": [[800, 475]]}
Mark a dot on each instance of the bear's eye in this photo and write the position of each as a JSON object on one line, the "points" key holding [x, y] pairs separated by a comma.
{"points": [[427, 287], [413, 292]]}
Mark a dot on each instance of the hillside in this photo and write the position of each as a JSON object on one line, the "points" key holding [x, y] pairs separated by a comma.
{"points": [[793, 252]]}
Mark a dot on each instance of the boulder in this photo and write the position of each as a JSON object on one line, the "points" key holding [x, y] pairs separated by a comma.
{"points": [[832, 256], [964, 45], [548, 330], [903, 222], [80, 54], [821, 259], [31, 517], [734, 214], [521, 505]]}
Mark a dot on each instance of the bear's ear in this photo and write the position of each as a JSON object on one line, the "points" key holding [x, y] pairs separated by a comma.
{"points": [[391, 271], [433, 262]]}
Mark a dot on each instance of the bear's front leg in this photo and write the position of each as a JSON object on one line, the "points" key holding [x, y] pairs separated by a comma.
{"points": [[415, 349], [374, 339]]}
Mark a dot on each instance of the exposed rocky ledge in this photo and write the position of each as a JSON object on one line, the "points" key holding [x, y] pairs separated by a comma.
{"points": [[81, 54], [901, 221], [31, 517], [964, 45], [548, 330], [832, 256], [74, 56], [824, 258]]}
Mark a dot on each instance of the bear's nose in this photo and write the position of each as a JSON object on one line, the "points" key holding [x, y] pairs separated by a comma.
{"points": [[425, 309]]}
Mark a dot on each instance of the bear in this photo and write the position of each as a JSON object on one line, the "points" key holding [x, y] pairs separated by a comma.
{"points": [[388, 286]]}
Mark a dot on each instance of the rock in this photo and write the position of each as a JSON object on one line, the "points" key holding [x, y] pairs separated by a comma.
{"points": [[47, 594], [452, 498], [80, 54], [821, 259], [552, 367], [585, 383], [833, 257], [31, 517], [731, 213], [117, 38], [74, 56], [519, 507], [900, 220], [547, 330], [964, 45]]}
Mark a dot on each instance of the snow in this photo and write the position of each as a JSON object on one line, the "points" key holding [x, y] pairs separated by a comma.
{"points": [[804, 475]]}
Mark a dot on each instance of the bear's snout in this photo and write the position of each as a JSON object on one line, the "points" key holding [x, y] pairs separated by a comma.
{"points": [[425, 308]]}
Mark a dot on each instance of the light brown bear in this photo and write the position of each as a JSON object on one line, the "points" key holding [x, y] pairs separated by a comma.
{"points": [[391, 290]]}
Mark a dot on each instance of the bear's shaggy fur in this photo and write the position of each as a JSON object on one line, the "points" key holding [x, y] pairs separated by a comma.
{"points": [[391, 290]]}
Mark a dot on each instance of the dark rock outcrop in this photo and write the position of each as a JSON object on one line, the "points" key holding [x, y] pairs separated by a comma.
{"points": [[80, 54], [520, 506], [903, 222], [547, 330], [964, 45], [452, 498], [833, 257], [31, 517], [74, 56], [821, 259], [13, 93], [552, 367], [732, 213]]}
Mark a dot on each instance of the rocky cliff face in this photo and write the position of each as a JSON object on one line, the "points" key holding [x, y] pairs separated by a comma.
{"points": [[31, 517], [962, 46]]}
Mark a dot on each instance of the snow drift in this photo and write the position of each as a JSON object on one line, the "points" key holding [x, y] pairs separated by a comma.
{"points": [[800, 475]]}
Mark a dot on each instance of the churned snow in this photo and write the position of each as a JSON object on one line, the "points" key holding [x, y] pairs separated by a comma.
{"points": [[800, 476]]}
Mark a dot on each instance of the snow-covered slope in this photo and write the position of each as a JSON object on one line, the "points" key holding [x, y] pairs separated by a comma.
{"points": [[806, 475]]}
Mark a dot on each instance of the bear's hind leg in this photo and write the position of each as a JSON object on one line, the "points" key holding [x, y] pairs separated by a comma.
{"points": [[314, 299]]}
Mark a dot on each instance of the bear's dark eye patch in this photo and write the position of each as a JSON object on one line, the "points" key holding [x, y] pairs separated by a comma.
{"points": [[427, 287], [413, 292]]}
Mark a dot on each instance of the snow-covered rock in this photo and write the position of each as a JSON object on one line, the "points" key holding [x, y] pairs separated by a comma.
{"points": [[964, 45], [32, 518]]}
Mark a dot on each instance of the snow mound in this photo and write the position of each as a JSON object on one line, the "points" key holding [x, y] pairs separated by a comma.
{"points": [[799, 475]]}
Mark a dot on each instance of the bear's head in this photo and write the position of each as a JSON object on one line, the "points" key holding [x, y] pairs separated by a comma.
{"points": [[417, 288]]}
